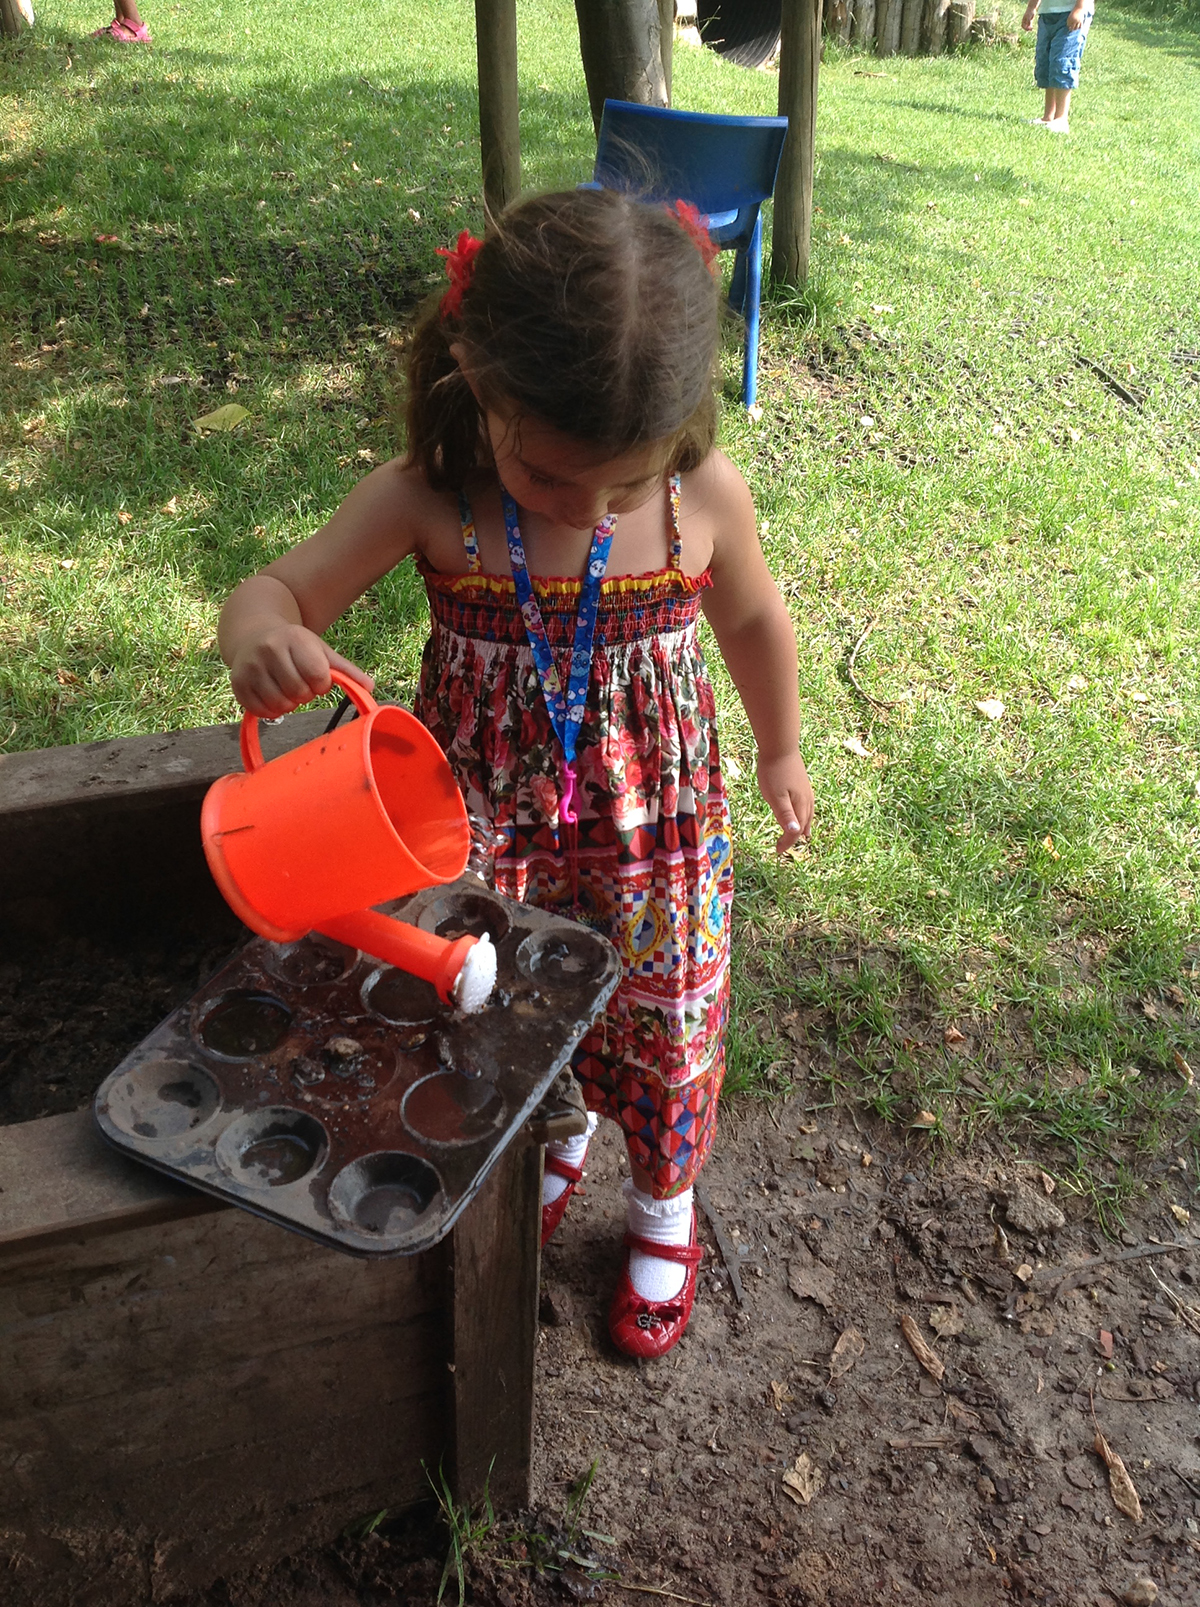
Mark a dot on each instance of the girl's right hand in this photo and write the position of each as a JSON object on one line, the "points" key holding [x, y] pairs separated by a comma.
{"points": [[284, 667]]}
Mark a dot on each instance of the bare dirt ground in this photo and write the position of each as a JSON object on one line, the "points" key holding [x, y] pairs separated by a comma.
{"points": [[980, 1485]]}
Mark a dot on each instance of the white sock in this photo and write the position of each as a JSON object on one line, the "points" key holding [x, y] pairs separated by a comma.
{"points": [[571, 1150], [665, 1222]]}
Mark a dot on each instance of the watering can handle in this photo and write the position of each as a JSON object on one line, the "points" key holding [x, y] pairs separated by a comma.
{"points": [[252, 754]]}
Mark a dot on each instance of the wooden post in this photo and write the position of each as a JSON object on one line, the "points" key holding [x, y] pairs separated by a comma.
{"points": [[666, 31], [621, 45], [962, 15], [15, 17], [863, 31], [936, 14], [499, 103], [799, 66], [494, 1331], [910, 27]]}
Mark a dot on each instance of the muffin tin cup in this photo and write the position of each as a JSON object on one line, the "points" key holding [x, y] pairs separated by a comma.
{"points": [[342, 1099]]}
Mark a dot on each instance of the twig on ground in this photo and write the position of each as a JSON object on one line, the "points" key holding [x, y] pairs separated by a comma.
{"points": [[724, 1243], [879, 703], [657, 1590], [1073, 1276], [1111, 380], [1187, 1313]]}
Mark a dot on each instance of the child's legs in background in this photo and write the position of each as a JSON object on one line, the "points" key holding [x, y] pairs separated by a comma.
{"points": [[1057, 61]]}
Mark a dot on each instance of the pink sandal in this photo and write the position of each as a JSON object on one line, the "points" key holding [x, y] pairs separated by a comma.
{"points": [[649, 1328], [125, 33]]}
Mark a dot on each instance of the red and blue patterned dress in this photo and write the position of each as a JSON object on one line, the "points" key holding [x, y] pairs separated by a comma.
{"points": [[649, 863]]}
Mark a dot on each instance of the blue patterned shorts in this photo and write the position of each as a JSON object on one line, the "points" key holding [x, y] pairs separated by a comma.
{"points": [[1059, 50]]}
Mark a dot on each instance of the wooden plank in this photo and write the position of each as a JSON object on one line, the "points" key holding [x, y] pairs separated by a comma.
{"points": [[499, 101], [149, 769], [60, 1181], [494, 1326], [132, 1303], [208, 1392]]}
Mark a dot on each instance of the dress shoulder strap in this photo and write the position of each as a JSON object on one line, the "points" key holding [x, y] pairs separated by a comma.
{"points": [[676, 545], [470, 540]]}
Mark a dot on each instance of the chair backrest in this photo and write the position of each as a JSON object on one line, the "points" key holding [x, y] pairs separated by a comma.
{"points": [[720, 164]]}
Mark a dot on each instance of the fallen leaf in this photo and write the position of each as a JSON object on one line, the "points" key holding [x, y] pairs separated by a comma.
{"points": [[946, 1321], [1105, 1342], [1048, 845], [857, 748], [106, 239], [66, 563], [812, 1281], [754, 414], [866, 1159], [952, 1036], [123, 518], [1024, 1272], [963, 1414], [991, 708], [170, 507], [1125, 1497], [932, 1363], [1176, 995], [1149, 1010], [780, 1394], [1047, 1182], [1138, 697], [223, 418], [803, 1479], [1181, 1215], [145, 312], [66, 678], [924, 1118], [1182, 1067], [846, 1352]]}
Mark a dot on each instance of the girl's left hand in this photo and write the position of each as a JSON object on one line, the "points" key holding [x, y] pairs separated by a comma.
{"points": [[785, 785]]}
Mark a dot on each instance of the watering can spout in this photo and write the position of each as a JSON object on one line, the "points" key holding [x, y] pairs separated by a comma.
{"points": [[367, 813]]}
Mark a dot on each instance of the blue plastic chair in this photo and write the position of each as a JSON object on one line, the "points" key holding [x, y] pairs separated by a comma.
{"points": [[725, 166]]}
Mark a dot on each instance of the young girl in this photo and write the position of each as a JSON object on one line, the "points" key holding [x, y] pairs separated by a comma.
{"points": [[570, 517]]}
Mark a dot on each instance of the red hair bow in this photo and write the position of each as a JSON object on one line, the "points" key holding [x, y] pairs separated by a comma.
{"points": [[460, 270], [695, 225]]}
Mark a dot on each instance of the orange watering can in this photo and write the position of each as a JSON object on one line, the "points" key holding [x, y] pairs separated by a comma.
{"points": [[366, 813]]}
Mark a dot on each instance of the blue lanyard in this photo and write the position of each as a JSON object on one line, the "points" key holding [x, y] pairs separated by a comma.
{"points": [[565, 710]]}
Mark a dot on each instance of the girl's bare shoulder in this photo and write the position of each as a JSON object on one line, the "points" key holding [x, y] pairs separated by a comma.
{"points": [[715, 502], [395, 506]]}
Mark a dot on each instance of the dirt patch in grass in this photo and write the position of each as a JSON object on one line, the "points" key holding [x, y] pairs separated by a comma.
{"points": [[979, 1486]]}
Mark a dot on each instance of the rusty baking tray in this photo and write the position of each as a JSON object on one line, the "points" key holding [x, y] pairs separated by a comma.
{"points": [[309, 1084]]}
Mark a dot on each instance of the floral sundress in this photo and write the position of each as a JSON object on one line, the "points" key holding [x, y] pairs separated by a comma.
{"points": [[648, 862]]}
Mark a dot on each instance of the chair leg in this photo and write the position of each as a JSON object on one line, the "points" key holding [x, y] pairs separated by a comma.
{"points": [[753, 293], [737, 283]]}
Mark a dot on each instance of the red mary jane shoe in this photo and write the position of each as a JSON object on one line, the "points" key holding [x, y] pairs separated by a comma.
{"points": [[648, 1328], [553, 1213]]}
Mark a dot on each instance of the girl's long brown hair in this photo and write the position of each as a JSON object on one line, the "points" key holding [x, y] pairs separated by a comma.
{"points": [[590, 310]]}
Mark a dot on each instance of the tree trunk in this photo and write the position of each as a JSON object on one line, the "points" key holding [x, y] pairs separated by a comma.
{"points": [[888, 16], [936, 14], [910, 27], [666, 37], [962, 15], [499, 106], [863, 31], [15, 17], [799, 68], [621, 45]]}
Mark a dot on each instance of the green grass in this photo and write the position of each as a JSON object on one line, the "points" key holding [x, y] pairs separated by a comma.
{"points": [[933, 456]]}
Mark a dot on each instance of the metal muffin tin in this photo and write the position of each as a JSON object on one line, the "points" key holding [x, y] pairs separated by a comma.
{"points": [[309, 1084]]}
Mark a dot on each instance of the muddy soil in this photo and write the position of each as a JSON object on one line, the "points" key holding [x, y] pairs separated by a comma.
{"points": [[71, 1010], [979, 1486]]}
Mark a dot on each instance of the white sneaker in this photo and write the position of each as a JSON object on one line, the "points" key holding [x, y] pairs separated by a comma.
{"points": [[1039, 122], [1059, 126]]}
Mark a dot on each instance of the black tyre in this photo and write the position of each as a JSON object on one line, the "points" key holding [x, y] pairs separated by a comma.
{"points": [[743, 31]]}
